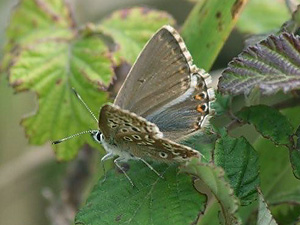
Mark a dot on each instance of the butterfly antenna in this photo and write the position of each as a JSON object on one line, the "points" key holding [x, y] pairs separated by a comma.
{"points": [[85, 105], [74, 135]]}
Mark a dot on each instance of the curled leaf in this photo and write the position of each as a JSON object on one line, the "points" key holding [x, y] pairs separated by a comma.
{"points": [[213, 177]]}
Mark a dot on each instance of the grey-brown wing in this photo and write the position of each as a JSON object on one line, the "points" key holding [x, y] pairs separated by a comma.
{"points": [[147, 146], [188, 113], [114, 120], [165, 87], [160, 74], [141, 138]]}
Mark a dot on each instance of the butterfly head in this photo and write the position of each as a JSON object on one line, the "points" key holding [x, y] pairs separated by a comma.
{"points": [[97, 135]]}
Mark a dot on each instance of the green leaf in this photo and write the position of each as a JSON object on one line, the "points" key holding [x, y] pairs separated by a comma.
{"points": [[278, 182], [207, 28], [172, 200], [132, 28], [264, 214], [213, 178], [287, 214], [271, 65], [295, 155], [240, 162], [277, 179], [253, 98], [50, 60], [269, 122], [222, 104], [202, 141], [287, 196], [263, 16]]}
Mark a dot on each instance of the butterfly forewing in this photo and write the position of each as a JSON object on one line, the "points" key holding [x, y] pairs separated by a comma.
{"points": [[140, 138], [165, 88], [114, 120], [160, 74]]}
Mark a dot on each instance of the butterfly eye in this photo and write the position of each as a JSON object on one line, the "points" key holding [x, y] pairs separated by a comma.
{"points": [[98, 136]]}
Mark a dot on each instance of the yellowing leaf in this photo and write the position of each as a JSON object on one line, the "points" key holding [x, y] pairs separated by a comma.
{"points": [[50, 58]]}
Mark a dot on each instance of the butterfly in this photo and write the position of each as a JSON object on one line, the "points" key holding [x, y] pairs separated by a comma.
{"points": [[163, 100]]}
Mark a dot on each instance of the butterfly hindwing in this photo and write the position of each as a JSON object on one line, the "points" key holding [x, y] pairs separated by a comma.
{"points": [[145, 146]]}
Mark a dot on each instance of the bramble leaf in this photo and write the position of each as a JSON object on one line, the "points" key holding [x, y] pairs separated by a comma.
{"points": [[34, 21], [153, 200], [51, 59], [271, 65], [269, 122], [132, 28], [240, 162], [213, 177]]}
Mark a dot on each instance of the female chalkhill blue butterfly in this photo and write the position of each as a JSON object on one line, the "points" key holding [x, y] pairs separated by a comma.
{"points": [[164, 99]]}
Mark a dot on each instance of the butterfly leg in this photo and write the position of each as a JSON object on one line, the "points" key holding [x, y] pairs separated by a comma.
{"points": [[116, 161], [104, 158], [151, 168]]}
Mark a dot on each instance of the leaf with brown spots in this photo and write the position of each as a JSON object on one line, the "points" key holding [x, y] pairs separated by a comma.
{"points": [[45, 55]]}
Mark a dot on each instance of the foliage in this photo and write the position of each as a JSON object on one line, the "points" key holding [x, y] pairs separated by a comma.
{"points": [[48, 53], [151, 201]]}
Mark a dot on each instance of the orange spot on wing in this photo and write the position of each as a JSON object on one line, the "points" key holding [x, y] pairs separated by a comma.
{"points": [[198, 97], [199, 109]]}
